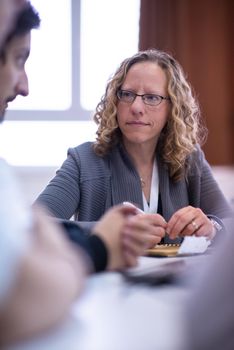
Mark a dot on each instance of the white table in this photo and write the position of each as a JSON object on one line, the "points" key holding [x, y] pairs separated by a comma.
{"points": [[114, 315]]}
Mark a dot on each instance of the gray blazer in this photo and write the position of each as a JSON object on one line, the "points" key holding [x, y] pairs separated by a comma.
{"points": [[87, 185]]}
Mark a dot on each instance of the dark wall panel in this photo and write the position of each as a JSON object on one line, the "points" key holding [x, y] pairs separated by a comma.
{"points": [[200, 35]]}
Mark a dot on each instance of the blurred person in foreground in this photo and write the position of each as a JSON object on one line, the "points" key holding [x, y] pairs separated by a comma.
{"points": [[209, 312], [41, 272], [8, 12], [147, 151]]}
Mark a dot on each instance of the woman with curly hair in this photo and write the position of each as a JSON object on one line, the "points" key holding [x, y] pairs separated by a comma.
{"points": [[146, 152]]}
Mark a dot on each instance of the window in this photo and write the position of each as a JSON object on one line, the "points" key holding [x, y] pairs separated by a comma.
{"points": [[49, 65], [109, 34], [79, 45]]}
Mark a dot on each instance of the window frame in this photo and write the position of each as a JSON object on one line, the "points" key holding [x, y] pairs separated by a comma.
{"points": [[75, 112]]}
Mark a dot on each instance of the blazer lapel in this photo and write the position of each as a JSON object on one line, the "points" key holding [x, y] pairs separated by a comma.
{"points": [[125, 182], [174, 195]]}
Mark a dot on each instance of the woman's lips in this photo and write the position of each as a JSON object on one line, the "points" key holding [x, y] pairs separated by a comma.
{"points": [[137, 123]]}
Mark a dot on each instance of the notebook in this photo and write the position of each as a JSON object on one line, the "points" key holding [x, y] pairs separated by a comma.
{"points": [[191, 245], [163, 250]]}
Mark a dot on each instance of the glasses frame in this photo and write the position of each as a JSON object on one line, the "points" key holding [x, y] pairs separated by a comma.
{"points": [[134, 95]]}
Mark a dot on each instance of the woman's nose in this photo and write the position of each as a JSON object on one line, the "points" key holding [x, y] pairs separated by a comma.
{"points": [[138, 105]]}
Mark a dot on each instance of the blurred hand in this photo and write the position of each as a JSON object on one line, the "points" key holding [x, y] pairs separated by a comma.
{"points": [[127, 234], [189, 221], [110, 229], [146, 230]]}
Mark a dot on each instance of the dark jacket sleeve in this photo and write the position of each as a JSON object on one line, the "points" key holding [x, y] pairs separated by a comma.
{"points": [[93, 245]]}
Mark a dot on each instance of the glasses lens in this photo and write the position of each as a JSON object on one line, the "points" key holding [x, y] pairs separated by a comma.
{"points": [[126, 96], [152, 100]]}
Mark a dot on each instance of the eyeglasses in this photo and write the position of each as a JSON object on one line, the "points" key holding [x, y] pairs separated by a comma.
{"points": [[149, 99]]}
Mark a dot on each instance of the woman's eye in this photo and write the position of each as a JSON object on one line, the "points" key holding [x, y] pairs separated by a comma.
{"points": [[152, 97], [127, 94]]}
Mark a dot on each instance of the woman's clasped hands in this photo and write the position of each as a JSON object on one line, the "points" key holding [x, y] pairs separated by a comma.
{"points": [[146, 230], [129, 232]]}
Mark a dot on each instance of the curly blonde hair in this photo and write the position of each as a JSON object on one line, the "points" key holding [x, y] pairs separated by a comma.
{"points": [[183, 129]]}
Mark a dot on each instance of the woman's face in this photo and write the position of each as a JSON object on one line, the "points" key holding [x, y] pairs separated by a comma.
{"points": [[141, 123]]}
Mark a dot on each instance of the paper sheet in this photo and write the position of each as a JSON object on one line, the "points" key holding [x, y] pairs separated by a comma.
{"points": [[193, 245]]}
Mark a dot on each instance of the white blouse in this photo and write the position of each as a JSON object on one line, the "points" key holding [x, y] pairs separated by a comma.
{"points": [[152, 206]]}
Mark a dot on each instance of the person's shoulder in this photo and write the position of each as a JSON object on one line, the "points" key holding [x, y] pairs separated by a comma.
{"points": [[197, 155], [3, 164], [195, 161], [84, 150], [84, 154], [83, 147], [7, 176]]}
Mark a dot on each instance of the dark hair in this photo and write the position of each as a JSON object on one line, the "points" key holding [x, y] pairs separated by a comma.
{"points": [[27, 20]]}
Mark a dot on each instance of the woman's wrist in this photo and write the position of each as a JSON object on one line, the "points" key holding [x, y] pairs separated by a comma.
{"points": [[216, 228]]}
